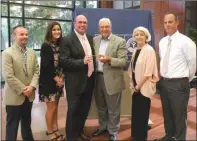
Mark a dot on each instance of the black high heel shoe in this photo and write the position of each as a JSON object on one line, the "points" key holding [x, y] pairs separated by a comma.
{"points": [[59, 136]]}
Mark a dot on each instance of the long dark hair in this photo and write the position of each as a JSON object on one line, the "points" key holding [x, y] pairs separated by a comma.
{"points": [[48, 35]]}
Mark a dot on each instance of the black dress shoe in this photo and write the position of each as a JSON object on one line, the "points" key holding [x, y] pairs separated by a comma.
{"points": [[149, 127], [112, 138], [84, 137], [98, 132], [165, 138]]}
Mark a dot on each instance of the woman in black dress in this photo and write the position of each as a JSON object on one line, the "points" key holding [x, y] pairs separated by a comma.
{"points": [[51, 78]]}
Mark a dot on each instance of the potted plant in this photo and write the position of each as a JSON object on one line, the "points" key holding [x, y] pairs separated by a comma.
{"points": [[193, 34]]}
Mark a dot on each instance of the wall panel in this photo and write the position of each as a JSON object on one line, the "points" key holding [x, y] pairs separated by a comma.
{"points": [[155, 7], [159, 8]]}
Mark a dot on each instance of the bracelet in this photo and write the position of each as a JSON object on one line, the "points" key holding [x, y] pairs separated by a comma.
{"points": [[136, 89]]}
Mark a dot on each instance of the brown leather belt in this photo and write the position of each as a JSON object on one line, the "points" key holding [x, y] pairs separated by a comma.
{"points": [[180, 78]]}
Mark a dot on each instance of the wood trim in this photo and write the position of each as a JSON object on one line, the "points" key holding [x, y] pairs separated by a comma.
{"points": [[177, 7], [105, 4]]}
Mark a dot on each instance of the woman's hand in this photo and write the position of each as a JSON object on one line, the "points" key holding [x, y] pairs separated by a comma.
{"points": [[59, 81], [56, 78], [136, 88], [60, 84]]}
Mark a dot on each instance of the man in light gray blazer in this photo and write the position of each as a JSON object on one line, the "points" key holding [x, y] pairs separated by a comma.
{"points": [[112, 57], [21, 73]]}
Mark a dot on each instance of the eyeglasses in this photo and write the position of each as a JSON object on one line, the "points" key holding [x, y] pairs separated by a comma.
{"points": [[106, 27]]}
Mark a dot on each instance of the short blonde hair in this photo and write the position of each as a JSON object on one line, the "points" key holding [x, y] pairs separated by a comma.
{"points": [[144, 30]]}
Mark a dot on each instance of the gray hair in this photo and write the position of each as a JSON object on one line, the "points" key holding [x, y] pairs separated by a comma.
{"points": [[105, 19], [144, 30]]}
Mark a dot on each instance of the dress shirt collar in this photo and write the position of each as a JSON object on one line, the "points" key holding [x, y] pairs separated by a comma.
{"points": [[108, 38], [173, 35], [23, 50], [79, 35]]}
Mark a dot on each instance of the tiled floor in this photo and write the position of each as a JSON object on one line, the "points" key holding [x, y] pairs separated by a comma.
{"points": [[39, 126]]}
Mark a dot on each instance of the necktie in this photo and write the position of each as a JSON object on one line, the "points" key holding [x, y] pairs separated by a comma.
{"points": [[166, 57], [90, 64], [24, 56]]}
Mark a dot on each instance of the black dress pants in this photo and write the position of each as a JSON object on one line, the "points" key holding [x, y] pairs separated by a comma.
{"points": [[174, 98], [14, 115], [140, 116], [78, 109]]}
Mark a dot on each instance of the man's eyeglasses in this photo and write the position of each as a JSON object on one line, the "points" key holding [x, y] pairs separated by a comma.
{"points": [[106, 27]]}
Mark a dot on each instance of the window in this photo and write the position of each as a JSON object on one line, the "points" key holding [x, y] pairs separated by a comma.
{"points": [[15, 10], [91, 4], [35, 15], [4, 10], [4, 33], [38, 28], [132, 4], [79, 4], [16, 1], [47, 13], [14, 22], [62, 4]]}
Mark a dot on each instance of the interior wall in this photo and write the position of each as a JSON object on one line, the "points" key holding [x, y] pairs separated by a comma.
{"points": [[159, 8]]}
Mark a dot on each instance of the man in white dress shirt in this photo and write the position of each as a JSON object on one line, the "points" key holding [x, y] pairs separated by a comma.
{"points": [[177, 67]]}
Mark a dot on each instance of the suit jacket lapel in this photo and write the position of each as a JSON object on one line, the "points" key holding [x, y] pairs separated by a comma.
{"points": [[77, 43], [18, 53], [110, 45], [29, 60]]}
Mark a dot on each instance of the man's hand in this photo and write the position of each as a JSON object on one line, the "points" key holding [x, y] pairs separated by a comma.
{"points": [[87, 59], [104, 59], [28, 91]]}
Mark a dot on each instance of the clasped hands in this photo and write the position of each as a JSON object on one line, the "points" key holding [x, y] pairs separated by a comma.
{"points": [[104, 59], [59, 81], [101, 58], [28, 91]]}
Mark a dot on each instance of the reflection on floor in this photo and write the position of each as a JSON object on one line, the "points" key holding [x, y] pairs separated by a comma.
{"points": [[39, 126]]}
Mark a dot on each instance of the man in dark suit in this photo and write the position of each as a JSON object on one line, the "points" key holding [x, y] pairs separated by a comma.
{"points": [[77, 58], [21, 73]]}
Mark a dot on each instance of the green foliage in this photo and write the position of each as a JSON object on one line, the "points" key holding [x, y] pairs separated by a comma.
{"points": [[37, 27], [193, 34], [4, 10]]}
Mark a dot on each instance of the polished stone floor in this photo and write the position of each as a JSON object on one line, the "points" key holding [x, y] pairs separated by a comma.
{"points": [[39, 126]]}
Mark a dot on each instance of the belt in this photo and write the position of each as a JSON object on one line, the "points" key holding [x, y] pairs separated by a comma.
{"points": [[99, 72], [180, 78]]}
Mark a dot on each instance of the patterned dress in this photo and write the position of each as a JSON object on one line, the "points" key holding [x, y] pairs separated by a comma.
{"points": [[58, 72]]}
